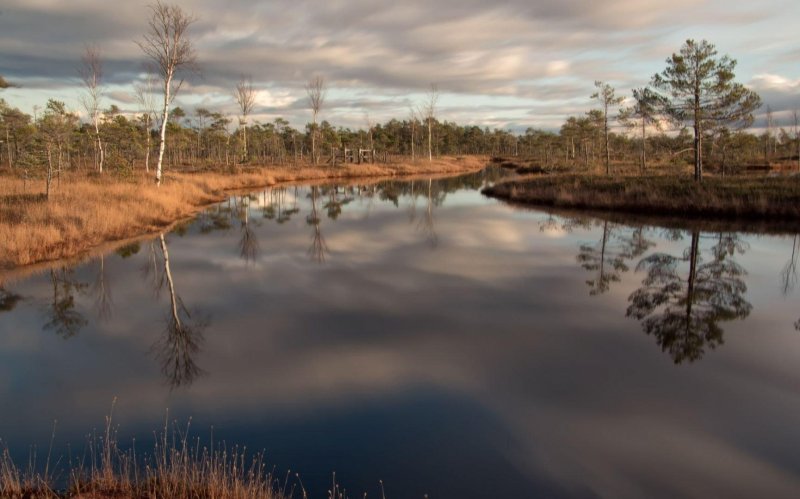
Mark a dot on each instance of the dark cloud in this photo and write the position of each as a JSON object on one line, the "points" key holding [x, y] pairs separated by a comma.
{"points": [[546, 51]]}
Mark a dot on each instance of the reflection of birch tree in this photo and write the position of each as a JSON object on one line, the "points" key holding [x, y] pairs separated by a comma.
{"points": [[248, 243], [62, 314], [150, 270], [789, 272], [102, 291], [412, 202], [180, 344], [427, 223], [318, 248], [683, 312]]}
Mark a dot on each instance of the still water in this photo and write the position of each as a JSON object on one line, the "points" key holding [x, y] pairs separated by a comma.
{"points": [[419, 333]]}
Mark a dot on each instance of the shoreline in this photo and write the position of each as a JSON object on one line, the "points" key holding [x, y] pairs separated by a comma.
{"points": [[761, 200], [89, 214]]}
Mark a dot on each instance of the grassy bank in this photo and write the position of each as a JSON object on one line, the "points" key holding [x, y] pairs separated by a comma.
{"points": [[733, 197], [175, 467], [85, 211]]}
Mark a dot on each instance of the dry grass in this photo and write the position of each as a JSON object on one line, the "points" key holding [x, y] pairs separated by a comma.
{"points": [[86, 211], [732, 197], [177, 468]]}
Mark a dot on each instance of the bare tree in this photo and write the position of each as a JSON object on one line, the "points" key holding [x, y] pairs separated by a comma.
{"points": [[316, 91], [370, 126], [428, 112], [147, 106], [91, 73], [167, 45], [245, 96]]}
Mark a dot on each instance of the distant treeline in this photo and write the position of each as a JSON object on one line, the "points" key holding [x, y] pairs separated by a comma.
{"points": [[203, 138]]}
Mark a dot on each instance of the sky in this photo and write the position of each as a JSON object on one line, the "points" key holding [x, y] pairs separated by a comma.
{"points": [[507, 64]]}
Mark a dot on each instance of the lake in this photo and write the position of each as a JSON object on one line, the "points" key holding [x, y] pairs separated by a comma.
{"points": [[419, 333]]}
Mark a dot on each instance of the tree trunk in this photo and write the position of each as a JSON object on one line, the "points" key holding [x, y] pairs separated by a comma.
{"points": [[314, 139], [644, 146], [49, 171], [698, 131], [412, 141], [147, 151], [605, 132], [430, 141], [163, 136], [692, 276], [100, 150], [172, 296], [8, 148], [244, 139]]}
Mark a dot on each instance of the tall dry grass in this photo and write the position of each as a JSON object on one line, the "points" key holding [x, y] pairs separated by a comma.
{"points": [[86, 210], [177, 467]]}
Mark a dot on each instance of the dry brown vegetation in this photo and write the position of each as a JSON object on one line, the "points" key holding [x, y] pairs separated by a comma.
{"points": [[177, 468], [85, 211], [774, 197]]}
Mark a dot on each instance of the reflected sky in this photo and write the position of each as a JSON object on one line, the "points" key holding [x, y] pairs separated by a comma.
{"points": [[423, 335]]}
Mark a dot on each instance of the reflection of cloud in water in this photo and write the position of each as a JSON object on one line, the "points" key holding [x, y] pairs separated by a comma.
{"points": [[497, 316]]}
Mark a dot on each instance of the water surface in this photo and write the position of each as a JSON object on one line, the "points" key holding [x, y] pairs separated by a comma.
{"points": [[418, 333]]}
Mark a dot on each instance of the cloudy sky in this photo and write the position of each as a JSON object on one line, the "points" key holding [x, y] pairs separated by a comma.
{"points": [[510, 64]]}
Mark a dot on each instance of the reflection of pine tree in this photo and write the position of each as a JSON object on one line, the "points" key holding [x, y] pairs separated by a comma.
{"points": [[607, 257], [683, 313], [607, 265], [63, 317]]}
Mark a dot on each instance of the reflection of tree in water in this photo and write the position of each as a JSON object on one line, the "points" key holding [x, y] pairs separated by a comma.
{"points": [[336, 200], [789, 271], [178, 347], [248, 242], [683, 313], [8, 300], [275, 206], [102, 291], [607, 257], [62, 315], [427, 224], [318, 248]]}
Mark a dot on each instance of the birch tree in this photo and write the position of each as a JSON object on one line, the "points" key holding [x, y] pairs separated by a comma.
{"points": [[169, 49], [245, 96], [316, 91], [428, 111], [91, 73], [700, 92]]}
